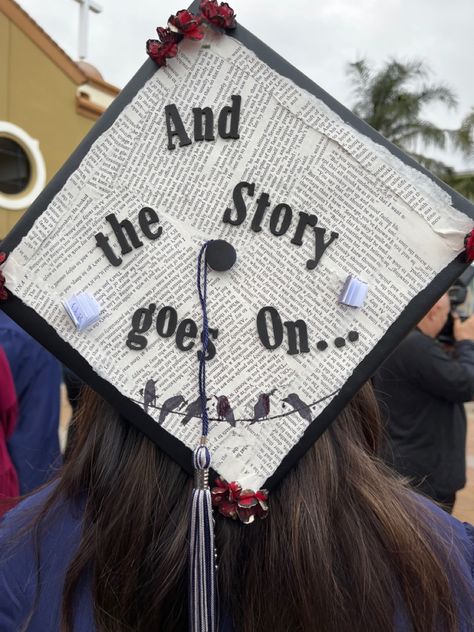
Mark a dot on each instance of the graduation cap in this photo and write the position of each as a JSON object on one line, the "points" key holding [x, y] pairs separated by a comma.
{"points": [[315, 243]]}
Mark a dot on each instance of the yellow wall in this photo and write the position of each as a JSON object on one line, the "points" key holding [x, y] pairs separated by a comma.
{"points": [[40, 98]]}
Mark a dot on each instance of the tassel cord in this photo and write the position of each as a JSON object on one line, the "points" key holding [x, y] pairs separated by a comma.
{"points": [[202, 580]]}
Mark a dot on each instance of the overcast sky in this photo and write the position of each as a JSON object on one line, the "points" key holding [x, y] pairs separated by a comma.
{"points": [[317, 36]]}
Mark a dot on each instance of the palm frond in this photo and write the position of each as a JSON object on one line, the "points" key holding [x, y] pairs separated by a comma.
{"points": [[463, 183], [430, 135], [440, 169], [462, 138]]}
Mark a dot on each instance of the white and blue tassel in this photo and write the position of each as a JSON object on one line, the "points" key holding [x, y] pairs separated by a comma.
{"points": [[202, 570], [202, 553]]}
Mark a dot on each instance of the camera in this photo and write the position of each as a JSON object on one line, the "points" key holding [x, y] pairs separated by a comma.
{"points": [[458, 298]]}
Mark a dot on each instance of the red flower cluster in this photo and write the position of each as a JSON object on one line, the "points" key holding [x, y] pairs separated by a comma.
{"points": [[164, 48], [469, 246], [187, 25], [220, 15], [234, 503], [3, 292]]}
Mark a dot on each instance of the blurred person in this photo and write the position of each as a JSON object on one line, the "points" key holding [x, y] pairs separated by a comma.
{"points": [[34, 445], [9, 487], [346, 545], [422, 387]]}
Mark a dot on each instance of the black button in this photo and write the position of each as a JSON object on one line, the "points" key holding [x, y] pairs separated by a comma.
{"points": [[220, 255]]}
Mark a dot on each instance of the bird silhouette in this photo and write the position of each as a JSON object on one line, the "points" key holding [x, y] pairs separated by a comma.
{"points": [[193, 410], [299, 406], [261, 409], [172, 403], [149, 395], [224, 410]]}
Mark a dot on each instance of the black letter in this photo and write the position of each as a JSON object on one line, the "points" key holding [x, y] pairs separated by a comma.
{"points": [[234, 111], [291, 328], [146, 217], [172, 114], [239, 204], [211, 347], [141, 323], [320, 246], [103, 242], [119, 228], [262, 327], [187, 329], [304, 220], [263, 203], [209, 116], [161, 323], [285, 222]]}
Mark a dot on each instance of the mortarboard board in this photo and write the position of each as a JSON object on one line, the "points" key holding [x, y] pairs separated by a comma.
{"points": [[325, 244]]}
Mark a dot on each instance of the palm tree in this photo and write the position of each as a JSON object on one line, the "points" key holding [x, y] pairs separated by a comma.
{"points": [[392, 100]]}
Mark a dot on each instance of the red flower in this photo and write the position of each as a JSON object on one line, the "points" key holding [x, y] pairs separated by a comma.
{"points": [[187, 24], [469, 246], [221, 15], [165, 47], [234, 503], [3, 291]]}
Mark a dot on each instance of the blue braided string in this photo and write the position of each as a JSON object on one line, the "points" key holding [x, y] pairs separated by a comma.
{"points": [[202, 290]]}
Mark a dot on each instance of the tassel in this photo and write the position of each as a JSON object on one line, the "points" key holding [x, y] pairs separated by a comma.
{"points": [[202, 556], [202, 593]]}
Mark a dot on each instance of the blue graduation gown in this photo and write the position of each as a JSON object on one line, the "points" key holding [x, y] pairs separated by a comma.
{"points": [[59, 542], [34, 446]]}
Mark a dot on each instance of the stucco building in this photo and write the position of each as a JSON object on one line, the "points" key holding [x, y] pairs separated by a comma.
{"points": [[48, 102]]}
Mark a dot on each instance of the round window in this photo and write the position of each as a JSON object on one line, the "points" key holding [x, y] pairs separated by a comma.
{"points": [[22, 168], [15, 168]]}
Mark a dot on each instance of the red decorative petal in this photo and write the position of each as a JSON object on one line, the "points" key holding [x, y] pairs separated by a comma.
{"points": [[234, 491], [234, 503], [247, 516], [167, 36], [209, 9], [222, 15], [227, 14], [247, 502], [228, 509], [159, 52], [3, 257], [187, 24], [469, 246], [220, 482], [217, 495], [262, 510], [3, 291]]}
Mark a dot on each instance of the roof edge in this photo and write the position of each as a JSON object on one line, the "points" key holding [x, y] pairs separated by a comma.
{"points": [[103, 85], [56, 54]]}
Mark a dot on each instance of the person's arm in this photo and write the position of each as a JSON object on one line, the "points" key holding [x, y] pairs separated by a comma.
{"points": [[464, 345], [8, 400], [34, 446], [444, 375]]}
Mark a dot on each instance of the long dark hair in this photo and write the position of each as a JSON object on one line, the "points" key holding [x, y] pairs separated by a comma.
{"points": [[346, 545]]}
